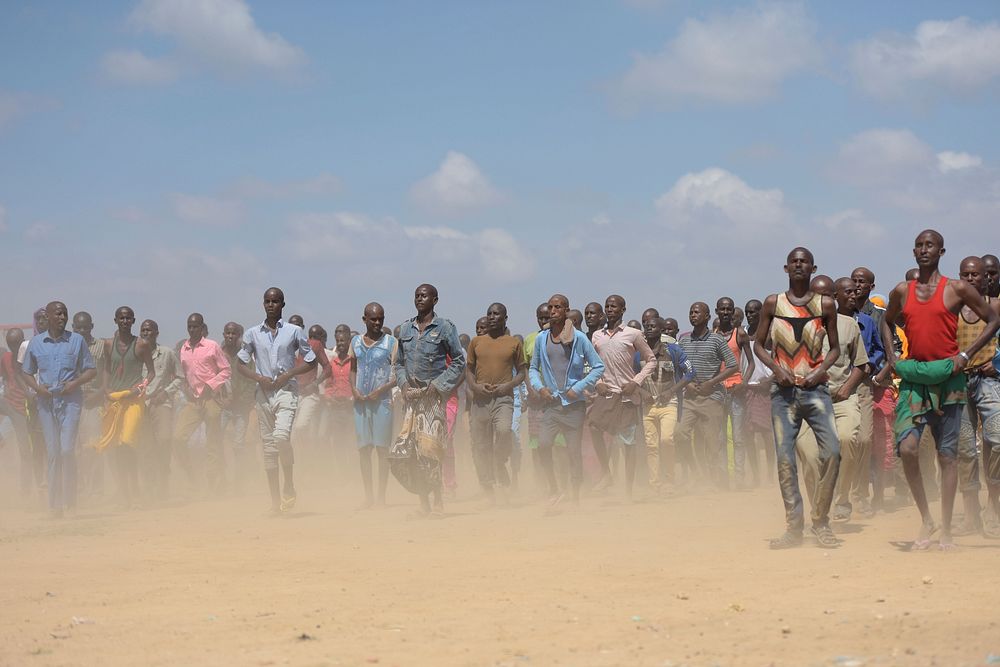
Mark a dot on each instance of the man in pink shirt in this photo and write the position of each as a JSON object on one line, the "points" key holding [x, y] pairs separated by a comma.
{"points": [[206, 369], [616, 410], [340, 405]]}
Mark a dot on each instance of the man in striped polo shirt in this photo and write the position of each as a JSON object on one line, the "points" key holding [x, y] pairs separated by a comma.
{"points": [[713, 362]]}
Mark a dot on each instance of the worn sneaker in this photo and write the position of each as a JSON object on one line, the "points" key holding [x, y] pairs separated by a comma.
{"points": [[825, 537]]}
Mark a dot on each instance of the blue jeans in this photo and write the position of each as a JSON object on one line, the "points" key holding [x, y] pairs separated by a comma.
{"points": [[735, 409], [60, 420], [790, 406], [983, 409]]}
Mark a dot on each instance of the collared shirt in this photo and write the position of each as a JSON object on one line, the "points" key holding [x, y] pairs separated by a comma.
{"points": [[872, 340], [204, 365], [617, 348], [423, 357], [167, 367], [707, 355], [58, 360], [338, 385], [878, 314], [274, 353]]}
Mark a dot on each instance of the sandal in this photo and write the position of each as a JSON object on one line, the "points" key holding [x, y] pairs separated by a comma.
{"points": [[787, 541], [947, 546], [924, 543], [825, 537]]}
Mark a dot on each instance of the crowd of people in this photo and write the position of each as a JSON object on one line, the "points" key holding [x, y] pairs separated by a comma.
{"points": [[854, 392]]}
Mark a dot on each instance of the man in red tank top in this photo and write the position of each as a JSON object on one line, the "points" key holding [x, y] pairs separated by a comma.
{"points": [[927, 308]]}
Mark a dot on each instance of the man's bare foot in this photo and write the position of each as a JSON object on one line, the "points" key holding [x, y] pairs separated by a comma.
{"points": [[923, 541]]}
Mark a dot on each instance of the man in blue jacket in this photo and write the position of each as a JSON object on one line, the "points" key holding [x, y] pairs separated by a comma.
{"points": [[557, 375]]}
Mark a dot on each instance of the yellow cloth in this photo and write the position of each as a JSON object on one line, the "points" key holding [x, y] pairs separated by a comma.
{"points": [[120, 423]]}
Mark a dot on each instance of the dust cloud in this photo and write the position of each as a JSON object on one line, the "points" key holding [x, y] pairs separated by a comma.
{"points": [[685, 580]]}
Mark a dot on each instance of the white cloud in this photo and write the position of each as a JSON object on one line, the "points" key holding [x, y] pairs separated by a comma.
{"points": [[321, 237], [504, 259], [939, 58], [717, 201], [357, 241], [435, 233], [132, 67], [854, 224], [952, 161], [210, 211], [457, 187], [601, 220], [899, 171], [219, 35], [737, 58], [39, 232], [322, 184], [882, 156]]}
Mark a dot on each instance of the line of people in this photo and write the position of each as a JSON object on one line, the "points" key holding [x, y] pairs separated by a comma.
{"points": [[814, 375]]}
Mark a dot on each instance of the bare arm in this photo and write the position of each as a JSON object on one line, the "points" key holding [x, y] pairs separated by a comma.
{"points": [[971, 298], [744, 342], [782, 377], [145, 354], [892, 312]]}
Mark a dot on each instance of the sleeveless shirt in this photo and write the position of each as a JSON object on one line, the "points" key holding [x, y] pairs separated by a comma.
{"points": [[734, 345], [126, 368], [931, 328], [797, 334]]}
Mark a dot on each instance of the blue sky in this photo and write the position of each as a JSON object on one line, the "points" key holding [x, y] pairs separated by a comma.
{"points": [[179, 155]]}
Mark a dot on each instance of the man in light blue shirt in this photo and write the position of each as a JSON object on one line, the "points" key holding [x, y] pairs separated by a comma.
{"points": [[273, 345], [557, 376], [62, 362]]}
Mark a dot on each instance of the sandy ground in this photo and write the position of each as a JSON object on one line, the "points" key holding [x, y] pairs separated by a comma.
{"points": [[688, 581]]}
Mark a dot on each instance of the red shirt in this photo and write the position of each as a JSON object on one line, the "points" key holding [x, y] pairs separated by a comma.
{"points": [[931, 328], [339, 383], [14, 394]]}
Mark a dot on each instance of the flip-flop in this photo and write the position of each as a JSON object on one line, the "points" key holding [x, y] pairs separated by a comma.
{"points": [[925, 543], [947, 547]]}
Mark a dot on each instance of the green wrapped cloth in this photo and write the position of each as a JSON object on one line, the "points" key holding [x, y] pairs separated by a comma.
{"points": [[925, 387]]}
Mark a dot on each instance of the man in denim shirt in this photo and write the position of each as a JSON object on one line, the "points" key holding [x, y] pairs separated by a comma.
{"points": [[429, 366], [63, 364], [556, 374]]}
